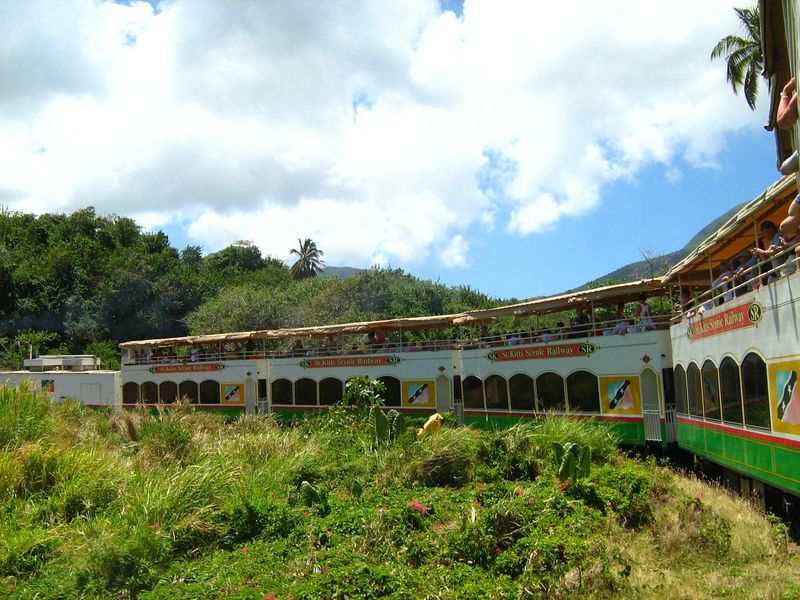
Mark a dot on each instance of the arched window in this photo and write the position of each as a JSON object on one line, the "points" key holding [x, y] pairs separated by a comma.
{"points": [[168, 392], [583, 392], [496, 392], [305, 391], [730, 391], [149, 392], [550, 392], [188, 390], [282, 392], [693, 388], [209, 392], [392, 394], [130, 393], [756, 396], [521, 388], [681, 403], [710, 391], [473, 392], [330, 391]]}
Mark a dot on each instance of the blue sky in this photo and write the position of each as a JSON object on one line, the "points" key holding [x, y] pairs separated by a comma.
{"points": [[519, 148]]}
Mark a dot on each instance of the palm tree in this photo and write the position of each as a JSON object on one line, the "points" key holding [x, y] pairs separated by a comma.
{"points": [[309, 262], [744, 55]]}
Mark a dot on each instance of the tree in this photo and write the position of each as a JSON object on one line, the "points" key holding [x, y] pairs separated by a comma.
{"points": [[309, 262], [744, 57]]}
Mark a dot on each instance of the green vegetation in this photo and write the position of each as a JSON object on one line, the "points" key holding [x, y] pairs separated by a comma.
{"points": [[83, 283], [744, 58], [179, 504]]}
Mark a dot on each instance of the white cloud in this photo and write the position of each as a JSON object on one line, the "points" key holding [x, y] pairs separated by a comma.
{"points": [[241, 121]]}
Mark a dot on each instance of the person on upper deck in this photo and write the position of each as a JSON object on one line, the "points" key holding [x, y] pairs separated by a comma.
{"points": [[774, 243], [645, 321]]}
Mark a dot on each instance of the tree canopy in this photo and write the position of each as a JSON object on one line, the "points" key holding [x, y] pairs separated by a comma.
{"points": [[743, 55]]}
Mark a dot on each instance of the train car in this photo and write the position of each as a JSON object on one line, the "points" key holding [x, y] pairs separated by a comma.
{"points": [[736, 352], [598, 370], [65, 377]]}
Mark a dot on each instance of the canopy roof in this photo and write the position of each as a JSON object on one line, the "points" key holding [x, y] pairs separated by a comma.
{"points": [[736, 236], [612, 294]]}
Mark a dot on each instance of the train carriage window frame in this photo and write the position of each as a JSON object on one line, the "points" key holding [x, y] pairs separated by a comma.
{"points": [[149, 392], [167, 392], [331, 391], [522, 393], [190, 390], [730, 391], [472, 392], [209, 391], [392, 395], [712, 408], [281, 392], [127, 397], [755, 392], [694, 390], [548, 383], [681, 390], [589, 402], [498, 398], [306, 392]]}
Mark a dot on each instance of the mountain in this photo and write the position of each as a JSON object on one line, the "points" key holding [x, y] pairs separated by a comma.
{"points": [[661, 264]]}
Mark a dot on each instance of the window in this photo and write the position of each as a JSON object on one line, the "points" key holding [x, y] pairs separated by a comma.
{"points": [[710, 391], [550, 392], [149, 392], [392, 393], [305, 391], [130, 393], [693, 387], [521, 388], [282, 392], [168, 391], [473, 392], [330, 391], [209, 392], [730, 391], [681, 403], [583, 392], [496, 393], [188, 390], [756, 397]]}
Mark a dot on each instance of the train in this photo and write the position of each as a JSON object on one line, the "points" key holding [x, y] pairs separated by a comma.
{"points": [[715, 378]]}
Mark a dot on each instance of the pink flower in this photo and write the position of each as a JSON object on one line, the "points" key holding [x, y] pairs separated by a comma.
{"points": [[270, 596], [563, 485], [245, 550], [480, 485], [531, 500], [156, 526], [419, 507], [498, 550], [519, 492]]}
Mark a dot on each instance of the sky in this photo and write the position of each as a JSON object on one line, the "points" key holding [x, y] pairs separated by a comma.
{"points": [[520, 148]]}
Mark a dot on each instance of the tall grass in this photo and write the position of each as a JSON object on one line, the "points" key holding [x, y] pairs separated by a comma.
{"points": [[177, 504], [22, 414]]}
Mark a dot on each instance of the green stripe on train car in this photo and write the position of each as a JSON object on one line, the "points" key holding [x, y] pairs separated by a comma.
{"points": [[773, 463]]}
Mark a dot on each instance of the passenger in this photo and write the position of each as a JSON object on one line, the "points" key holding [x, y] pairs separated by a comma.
{"points": [[621, 321], [721, 284], [787, 108], [645, 321], [790, 262], [582, 323], [297, 348], [774, 243]]}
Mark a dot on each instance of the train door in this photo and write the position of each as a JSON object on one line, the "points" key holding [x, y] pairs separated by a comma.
{"points": [[443, 400], [651, 409]]}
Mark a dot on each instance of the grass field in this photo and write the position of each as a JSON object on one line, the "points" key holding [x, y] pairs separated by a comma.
{"points": [[178, 504]]}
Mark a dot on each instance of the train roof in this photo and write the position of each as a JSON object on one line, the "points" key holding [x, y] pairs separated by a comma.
{"points": [[736, 236], [611, 294]]}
